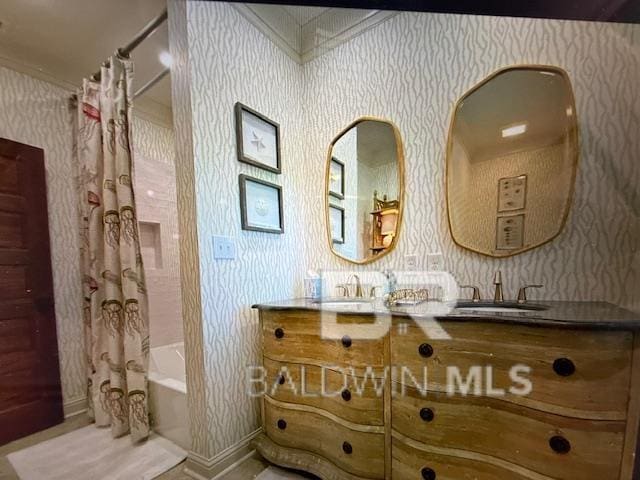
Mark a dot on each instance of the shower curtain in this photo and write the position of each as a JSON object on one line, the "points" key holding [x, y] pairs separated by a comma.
{"points": [[115, 300]]}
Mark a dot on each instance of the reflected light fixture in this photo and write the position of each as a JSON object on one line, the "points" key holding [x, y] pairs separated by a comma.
{"points": [[514, 130], [165, 58]]}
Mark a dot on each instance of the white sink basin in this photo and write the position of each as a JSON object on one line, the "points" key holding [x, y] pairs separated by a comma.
{"points": [[346, 303]]}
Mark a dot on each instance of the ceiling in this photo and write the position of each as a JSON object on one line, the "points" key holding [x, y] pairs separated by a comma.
{"points": [[541, 101], [63, 41], [376, 144]]}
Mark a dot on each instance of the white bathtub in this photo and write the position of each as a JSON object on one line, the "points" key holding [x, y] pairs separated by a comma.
{"points": [[168, 393]]}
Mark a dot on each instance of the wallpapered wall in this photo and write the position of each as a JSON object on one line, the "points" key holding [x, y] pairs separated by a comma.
{"points": [[36, 113], [252, 70], [410, 69]]}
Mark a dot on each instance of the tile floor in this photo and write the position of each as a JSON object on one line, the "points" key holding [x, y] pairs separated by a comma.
{"points": [[248, 470]]}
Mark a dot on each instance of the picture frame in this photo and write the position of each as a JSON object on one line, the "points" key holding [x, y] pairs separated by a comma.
{"points": [[257, 139], [336, 218], [336, 186], [261, 205]]}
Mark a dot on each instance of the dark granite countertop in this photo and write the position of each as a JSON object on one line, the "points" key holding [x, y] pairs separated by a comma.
{"points": [[601, 315]]}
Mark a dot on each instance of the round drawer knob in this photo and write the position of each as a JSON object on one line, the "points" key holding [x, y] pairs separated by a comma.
{"points": [[560, 445], [347, 448], [564, 367], [281, 379], [426, 414], [346, 395], [279, 333], [346, 341], [425, 350], [428, 474], [282, 424]]}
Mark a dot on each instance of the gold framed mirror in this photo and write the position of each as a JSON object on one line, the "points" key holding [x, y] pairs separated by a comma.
{"points": [[512, 158], [364, 190]]}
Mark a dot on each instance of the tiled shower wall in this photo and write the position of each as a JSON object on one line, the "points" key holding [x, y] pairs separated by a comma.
{"points": [[155, 188], [411, 70]]}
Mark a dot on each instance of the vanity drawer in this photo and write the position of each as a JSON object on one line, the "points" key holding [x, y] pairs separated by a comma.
{"points": [[295, 336], [359, 452], [575, 373], [511, 433], [348, 397], [411, 463]]}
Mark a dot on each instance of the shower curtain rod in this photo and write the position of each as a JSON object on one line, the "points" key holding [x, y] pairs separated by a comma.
{"points": [[143, 34], [152, 82]]}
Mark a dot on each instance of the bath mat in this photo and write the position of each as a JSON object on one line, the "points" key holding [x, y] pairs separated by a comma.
{"points": [[91, 453], [275, 473]]}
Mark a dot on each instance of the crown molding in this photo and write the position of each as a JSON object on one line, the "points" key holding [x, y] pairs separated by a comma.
{"points": [[303, 43]]}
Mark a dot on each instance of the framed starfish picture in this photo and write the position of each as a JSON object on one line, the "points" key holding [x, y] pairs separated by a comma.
{"points": [[258, 139]]}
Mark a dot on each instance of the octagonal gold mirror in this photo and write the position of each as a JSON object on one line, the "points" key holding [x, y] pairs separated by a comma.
{"points": [[512, 158], [364, 190]]}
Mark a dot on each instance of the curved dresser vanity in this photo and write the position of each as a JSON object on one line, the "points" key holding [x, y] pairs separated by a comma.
{"points": [[472, 416]]}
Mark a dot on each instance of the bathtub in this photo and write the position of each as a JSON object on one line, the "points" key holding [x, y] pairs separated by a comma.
{"points": [[168, 393]]}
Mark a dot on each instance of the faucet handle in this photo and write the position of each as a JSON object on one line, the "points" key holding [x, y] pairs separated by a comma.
{"points": [[522, 293], [372, 292], [476, 292], [345, 290]]}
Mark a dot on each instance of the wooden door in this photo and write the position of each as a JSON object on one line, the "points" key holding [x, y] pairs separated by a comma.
{"points": [[30, 396]]}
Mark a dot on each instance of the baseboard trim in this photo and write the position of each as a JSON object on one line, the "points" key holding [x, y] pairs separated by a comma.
{"points": [[213, 468], [74, 407]]}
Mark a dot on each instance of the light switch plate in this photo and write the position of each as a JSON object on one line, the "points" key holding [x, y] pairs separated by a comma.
{"points": [[435, 262], [224, 248]]}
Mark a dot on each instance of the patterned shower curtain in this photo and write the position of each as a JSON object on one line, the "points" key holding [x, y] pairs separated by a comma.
{"points": [[115, 299]]}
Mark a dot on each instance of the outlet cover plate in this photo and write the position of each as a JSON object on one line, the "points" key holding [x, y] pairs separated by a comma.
{"points": [[410, 262], [435, 262]]}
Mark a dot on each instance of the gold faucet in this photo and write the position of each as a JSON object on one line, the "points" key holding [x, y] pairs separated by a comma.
{"points": [[497, 281], [359, 293]]}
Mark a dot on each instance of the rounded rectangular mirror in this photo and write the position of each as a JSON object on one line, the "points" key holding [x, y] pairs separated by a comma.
{"points": [[512, 157], [364, 190]]}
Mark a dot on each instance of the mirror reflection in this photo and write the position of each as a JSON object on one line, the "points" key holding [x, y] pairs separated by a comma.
{"points": [[364, 190], [512, 159]]}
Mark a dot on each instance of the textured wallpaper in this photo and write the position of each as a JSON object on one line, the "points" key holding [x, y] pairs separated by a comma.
{"points": [[410, 69], [189, 249], [36, 113], [252, 70]]}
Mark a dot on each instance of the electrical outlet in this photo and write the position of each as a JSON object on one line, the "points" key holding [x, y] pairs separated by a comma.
{"points": [[435, 262], [224, 248], [410, 262]]}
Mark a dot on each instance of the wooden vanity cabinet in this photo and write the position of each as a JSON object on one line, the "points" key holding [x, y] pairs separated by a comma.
{"points": [[579, 421], [339, 435]]}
